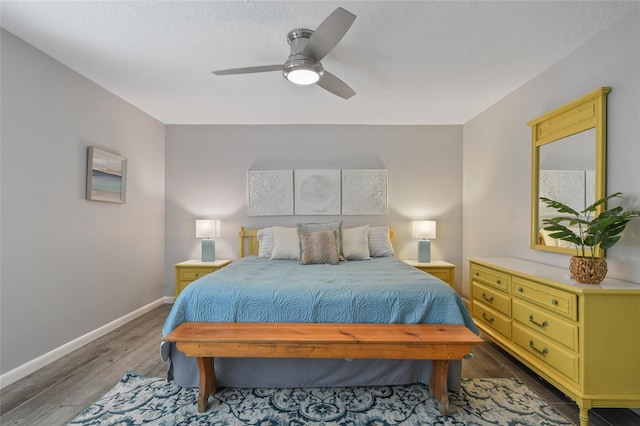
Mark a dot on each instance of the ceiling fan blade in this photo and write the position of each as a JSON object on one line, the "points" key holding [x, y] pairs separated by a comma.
{"points": [[334, 85], [328, 34], [248, 70]]}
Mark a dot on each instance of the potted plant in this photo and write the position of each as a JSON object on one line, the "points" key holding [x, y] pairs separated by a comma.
{"points": [[590, 233]]}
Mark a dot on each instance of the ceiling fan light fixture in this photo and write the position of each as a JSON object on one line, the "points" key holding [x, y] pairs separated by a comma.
{"points": [[303, 76], [302, 71]]}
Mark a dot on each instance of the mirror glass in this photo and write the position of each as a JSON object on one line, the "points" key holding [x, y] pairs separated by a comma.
{"points": [[568, 163], [567, 174]]}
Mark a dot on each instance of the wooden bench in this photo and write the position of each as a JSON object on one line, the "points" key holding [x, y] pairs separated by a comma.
{"points": [[439, 343]]}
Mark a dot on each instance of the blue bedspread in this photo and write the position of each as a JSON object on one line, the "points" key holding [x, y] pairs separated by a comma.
{"points": [[382, 290]]}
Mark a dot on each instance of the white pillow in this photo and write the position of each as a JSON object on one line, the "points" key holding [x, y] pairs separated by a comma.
{"points": [[286, 244], [355, 243], [265, 242], [380, 242]]}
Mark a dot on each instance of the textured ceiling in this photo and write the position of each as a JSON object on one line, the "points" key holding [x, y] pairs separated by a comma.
{"points": [[417, 62]]}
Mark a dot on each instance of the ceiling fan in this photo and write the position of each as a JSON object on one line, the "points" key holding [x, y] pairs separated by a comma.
{"points": [[308, 47]]}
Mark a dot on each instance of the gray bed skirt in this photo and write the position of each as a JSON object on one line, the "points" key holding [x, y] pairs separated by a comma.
{"points": [[298, 373]]}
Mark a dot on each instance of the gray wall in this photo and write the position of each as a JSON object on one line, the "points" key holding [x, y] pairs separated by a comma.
{"points": [[68, 265], [206, 177], [497, 151]]}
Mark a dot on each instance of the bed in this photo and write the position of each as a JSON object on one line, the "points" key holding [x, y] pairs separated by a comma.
{"points": [[257, 288]]}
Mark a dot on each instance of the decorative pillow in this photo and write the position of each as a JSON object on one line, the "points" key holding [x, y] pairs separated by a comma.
{"points": [[265, 242], [307, 228], [319, 247], [286, 244], [380, 242], [355, 243]]}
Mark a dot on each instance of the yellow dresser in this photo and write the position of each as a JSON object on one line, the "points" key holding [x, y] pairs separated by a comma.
{"points": [[584, 339]]}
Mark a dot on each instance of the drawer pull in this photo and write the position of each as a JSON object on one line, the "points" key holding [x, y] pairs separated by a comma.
{"points": [[197, 274], [554, 302], [488, 299], [489, 320], [541, 325], [520, 289], [541, 352], [477, 274], [497, 281]]}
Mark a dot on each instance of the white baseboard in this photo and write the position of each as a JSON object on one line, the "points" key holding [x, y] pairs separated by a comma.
{"points": [[25, 369]]}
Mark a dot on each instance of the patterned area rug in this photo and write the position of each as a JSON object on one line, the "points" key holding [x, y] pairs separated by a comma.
{"points": [[138, 400]]}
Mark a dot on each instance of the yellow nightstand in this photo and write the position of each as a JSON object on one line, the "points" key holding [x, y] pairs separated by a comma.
{"points": [[438, 268], [191, 270]]}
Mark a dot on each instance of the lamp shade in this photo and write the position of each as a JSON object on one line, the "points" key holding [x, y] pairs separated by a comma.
{"points": [[206, 228], [425, 229]]}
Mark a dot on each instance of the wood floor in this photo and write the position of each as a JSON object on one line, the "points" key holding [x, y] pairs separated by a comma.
{"points": [[57, 393]]}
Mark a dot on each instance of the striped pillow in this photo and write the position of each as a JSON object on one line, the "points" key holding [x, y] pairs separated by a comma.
{"points": [[380, 242], [265, 242]]}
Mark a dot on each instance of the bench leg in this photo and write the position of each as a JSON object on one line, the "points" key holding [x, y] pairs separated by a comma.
{"points": [[438, 384], [208, 384]]}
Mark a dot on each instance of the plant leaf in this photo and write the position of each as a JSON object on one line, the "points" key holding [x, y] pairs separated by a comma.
{"points": [[562, 208]]}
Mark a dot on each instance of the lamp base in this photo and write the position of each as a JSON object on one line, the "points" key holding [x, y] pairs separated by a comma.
{"points": [[424, 251], [208, 250]]}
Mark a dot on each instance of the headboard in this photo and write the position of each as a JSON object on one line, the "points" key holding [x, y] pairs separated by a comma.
{"points": [[249, 244]]}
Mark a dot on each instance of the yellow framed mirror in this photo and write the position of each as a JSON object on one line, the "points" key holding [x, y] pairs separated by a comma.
{"points": [[568, 162]]}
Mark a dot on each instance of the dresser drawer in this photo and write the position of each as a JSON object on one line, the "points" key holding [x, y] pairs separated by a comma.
{"points": [[560, 302], [547, 324], [188, 274], [493, 298], [491, 277], [489, 318], [548, 352]]}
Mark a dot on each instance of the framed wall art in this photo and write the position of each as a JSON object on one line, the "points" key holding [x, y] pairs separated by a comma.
{"points": [[364, 192], [270, 192], [317, 192], [106, 176]]}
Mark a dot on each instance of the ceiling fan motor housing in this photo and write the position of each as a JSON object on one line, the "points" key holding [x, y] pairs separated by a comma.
{"points": [[298, 62]]}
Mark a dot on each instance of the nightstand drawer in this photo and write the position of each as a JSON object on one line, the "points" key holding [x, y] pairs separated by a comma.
{"points": [[443, 273], [550, 353], [491, 297], [547, 324], [440, 269], [558, 301], [489, 318], [194, 274], [492, 278]]}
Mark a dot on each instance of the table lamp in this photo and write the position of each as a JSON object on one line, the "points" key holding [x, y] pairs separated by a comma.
{"points": [[425, 230], [206, 229]]}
